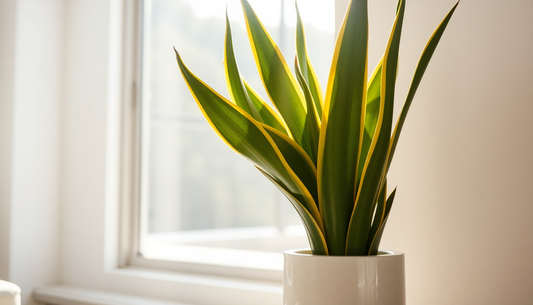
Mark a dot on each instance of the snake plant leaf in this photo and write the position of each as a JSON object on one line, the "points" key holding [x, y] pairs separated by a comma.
{"points": [[236, 87], [306, 67], [378, 215], [299, 162], [375, 241], [417, 78], [280, 84], [342, 125], [375, 165], [245, 135], [268, 115], [312, 228], [312, 125], [371, 114]]}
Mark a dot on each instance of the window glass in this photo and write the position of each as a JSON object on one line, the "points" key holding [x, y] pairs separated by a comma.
{"points": [[196, 191]]}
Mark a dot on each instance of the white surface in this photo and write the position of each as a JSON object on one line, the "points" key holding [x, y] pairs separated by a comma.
{"points": [[66, 295], [9, 293], [343, 280], [31, 146], [7, 67]]}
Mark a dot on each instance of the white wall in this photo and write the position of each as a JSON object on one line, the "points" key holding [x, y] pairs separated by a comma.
{"points": [[84, 151], [464, 163], [7, 55], [30, 141]]}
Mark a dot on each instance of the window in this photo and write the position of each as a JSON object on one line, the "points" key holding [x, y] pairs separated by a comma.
{"points": [[200, 202]]}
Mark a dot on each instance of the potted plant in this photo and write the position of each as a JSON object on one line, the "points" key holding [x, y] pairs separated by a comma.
{"points": [[329, 154]]}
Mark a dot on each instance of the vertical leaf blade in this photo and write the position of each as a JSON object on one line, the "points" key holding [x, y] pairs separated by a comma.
{"points": [[375, 165], [234, 82], [371, 114], [305, 65], [342, 126], [312, 125], [379, 214], [277, 78], [376, 237]]}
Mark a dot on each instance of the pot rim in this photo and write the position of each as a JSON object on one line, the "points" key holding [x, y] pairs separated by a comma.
{"points": [[307, 253]]}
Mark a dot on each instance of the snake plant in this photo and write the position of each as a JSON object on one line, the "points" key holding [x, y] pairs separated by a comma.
{"points": [[328, 153]]}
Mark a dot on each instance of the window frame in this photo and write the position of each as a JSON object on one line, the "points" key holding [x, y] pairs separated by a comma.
{"points": [[132, 151]]}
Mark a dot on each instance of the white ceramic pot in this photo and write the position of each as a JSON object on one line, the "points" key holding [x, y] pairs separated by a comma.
{"points": [[343, 280]]}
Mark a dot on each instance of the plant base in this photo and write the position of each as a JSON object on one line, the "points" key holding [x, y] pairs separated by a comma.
{"points": [[344, 280]]}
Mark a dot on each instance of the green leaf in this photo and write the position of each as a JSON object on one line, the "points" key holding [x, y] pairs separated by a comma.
{"points": [[236, 88], [269, 116], [375, 165], [417, 78], [379, 212], [375, 241], [341, 133], [299, 162], [246, 136], [306, 67], [312, 228], [312, 126], [279, 82], [371, 114]]}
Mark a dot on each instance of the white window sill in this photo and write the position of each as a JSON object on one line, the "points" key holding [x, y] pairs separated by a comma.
{"points": [[69, 295], [265, 291]]}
